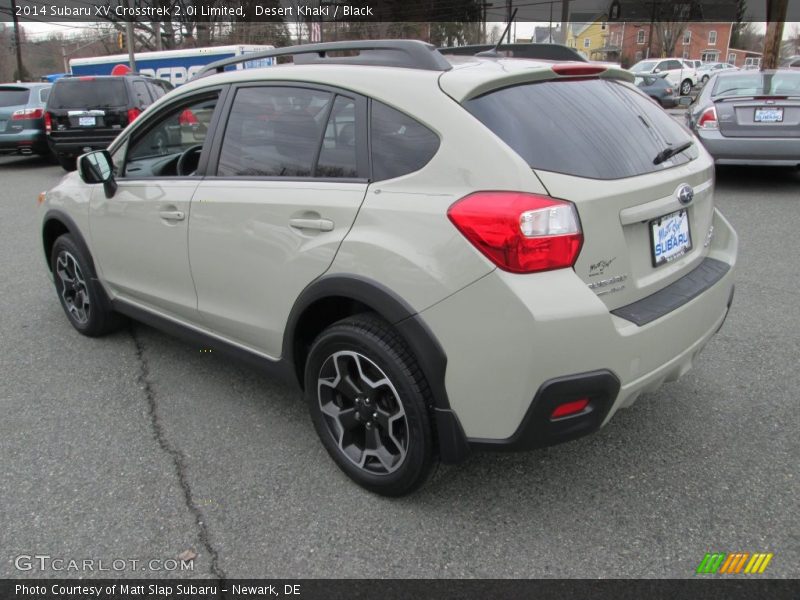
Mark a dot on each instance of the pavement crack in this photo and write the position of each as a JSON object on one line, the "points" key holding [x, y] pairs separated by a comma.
{"points": [[177, 457]]}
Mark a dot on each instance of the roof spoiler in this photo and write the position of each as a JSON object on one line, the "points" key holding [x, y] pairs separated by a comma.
{"points": [[537, 51]]}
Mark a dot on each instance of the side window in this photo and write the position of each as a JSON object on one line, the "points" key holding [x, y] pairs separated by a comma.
{"points": [[337, 158], [275, 132], [400, 145], [141, 95], [44, 94], [156, 152], [156, 90], [663, 65]]}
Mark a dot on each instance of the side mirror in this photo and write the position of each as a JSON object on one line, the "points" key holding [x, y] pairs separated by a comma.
{"points": [[96, 167], [685, 101], [656, 70]]}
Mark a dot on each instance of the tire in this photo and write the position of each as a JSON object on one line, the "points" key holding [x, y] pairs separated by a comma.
{"points": [[68, 163], [686, 87], [704, 80], [83, 299], [369, 403]]}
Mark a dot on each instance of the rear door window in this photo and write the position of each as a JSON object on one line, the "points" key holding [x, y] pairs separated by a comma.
{"points": [[595, 128], [143, 98], [77, 92], [10, 96]]}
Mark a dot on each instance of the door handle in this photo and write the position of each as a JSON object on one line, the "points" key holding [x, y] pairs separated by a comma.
{"points": [[318, 224], [172, 215]]}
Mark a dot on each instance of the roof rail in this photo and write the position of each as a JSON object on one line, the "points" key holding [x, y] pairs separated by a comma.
{"points": [[540, 51], [411, 54]]}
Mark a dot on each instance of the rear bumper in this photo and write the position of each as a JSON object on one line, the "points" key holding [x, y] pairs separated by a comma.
{"points": [[75, 146], [750, 151], [27, 140], [527, 332]]}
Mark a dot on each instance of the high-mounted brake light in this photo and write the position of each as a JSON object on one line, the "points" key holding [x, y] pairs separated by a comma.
{"points": [[577, 69], [520, 232], [48, 122], [86, 78], [132, 114], [708, 120], [27, 113]]}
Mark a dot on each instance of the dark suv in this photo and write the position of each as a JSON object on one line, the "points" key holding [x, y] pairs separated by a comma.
{"points": [[86, 113]]}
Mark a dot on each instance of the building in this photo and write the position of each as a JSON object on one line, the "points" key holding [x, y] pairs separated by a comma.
{"points": [[587, 33], [709, 42]]}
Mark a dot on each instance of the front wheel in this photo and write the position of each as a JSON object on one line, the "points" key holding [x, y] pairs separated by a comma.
{"points": [[82, 298], [369, 403], [686, 87], [704, 80]]}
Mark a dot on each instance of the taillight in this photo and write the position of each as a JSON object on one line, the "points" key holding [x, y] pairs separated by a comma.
{"points": [[520, 232], [668, 90], [48, 122], [27, 113], [132, 114], [187, 118], [708, 120]]}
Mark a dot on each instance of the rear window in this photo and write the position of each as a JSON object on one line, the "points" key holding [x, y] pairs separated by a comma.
{"points": [[757, 84], [88, 93], [593, 128], [13, 96]]}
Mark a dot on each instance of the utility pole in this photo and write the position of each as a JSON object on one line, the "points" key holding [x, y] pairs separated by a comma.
{"points": [[157, 32], [776, 17], [22, 75], [130, 42]]}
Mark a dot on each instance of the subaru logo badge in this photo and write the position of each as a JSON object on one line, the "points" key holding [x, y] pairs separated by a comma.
{"points": [[685, 194]]}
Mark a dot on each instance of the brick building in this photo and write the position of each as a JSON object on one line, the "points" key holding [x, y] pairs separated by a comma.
{"points": [[628, 43]]}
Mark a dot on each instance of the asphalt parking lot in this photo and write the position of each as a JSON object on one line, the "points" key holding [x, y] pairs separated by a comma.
{"points": [[139, 446]]}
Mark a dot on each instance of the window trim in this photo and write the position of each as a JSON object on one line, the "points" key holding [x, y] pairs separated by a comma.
{"points": [[142, 127], [714, 41], [640, 37], [362, 151]]}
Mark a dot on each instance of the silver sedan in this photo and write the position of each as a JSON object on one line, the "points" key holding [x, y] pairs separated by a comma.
{"points": [[750, 117]]}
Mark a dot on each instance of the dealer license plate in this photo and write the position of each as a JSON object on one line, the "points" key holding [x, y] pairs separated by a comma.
{"points": [[769, 115], [86, 121], [670, 237]]}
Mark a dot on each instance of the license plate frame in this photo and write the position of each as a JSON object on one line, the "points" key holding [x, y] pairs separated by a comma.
{"points": [[87, 121], [666, 244], [760, 112]]}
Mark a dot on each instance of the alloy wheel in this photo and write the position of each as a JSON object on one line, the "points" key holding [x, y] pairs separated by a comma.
{"points": [[73, 289]]}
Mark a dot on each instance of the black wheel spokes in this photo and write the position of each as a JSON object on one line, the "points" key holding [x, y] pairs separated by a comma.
{"points": [[73, 287], [363, 412]]}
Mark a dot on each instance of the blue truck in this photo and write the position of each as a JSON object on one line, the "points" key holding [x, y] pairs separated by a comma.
{"points": [[174, 66]]}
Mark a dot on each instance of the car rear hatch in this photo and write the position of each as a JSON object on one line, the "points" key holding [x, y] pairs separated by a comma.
{"points": [[88, 107], [597, 141], [758, 105], [12, 99]]}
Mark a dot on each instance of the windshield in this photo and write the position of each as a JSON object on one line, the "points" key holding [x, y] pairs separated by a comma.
{"points": [[595, 128], [755, 83], [645, 65], [88, 93], [13, 96]]}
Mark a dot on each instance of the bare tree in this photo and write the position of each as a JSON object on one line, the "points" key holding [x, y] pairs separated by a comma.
{"points": [[670, 21]]}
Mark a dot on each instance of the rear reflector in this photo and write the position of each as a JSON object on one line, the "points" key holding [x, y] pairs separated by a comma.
{"points": [[578, 69], [520, 232], [569, 408]]}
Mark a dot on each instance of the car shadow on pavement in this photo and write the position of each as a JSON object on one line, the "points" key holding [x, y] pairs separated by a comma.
{"points": [[18, 162]]}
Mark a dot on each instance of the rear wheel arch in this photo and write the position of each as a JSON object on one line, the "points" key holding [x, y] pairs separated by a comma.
{"points": [[334, 297]]}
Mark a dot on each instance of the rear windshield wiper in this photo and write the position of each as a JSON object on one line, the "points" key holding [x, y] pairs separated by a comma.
{"points": [[670, 152]]}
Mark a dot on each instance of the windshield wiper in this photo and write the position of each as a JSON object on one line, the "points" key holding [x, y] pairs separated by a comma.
{"points": [[670, 152]]}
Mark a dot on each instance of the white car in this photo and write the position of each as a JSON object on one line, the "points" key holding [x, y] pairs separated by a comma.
{"points": [[680, 75], [445, 254], [708, 70]]}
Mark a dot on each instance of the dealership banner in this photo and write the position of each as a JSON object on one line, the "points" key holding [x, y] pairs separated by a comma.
{"points": [[395, 589], [385, 10]]}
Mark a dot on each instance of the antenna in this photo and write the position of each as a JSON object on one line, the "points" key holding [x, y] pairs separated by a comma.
{"points": [[493, 51]]}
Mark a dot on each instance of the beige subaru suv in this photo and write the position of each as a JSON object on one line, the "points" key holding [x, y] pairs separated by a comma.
{"points": [[447, 254]]}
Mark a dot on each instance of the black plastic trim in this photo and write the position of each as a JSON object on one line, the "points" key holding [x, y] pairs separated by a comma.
{"points": [[675, 295], [74, 231], [280, 368], [538, 430]]}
